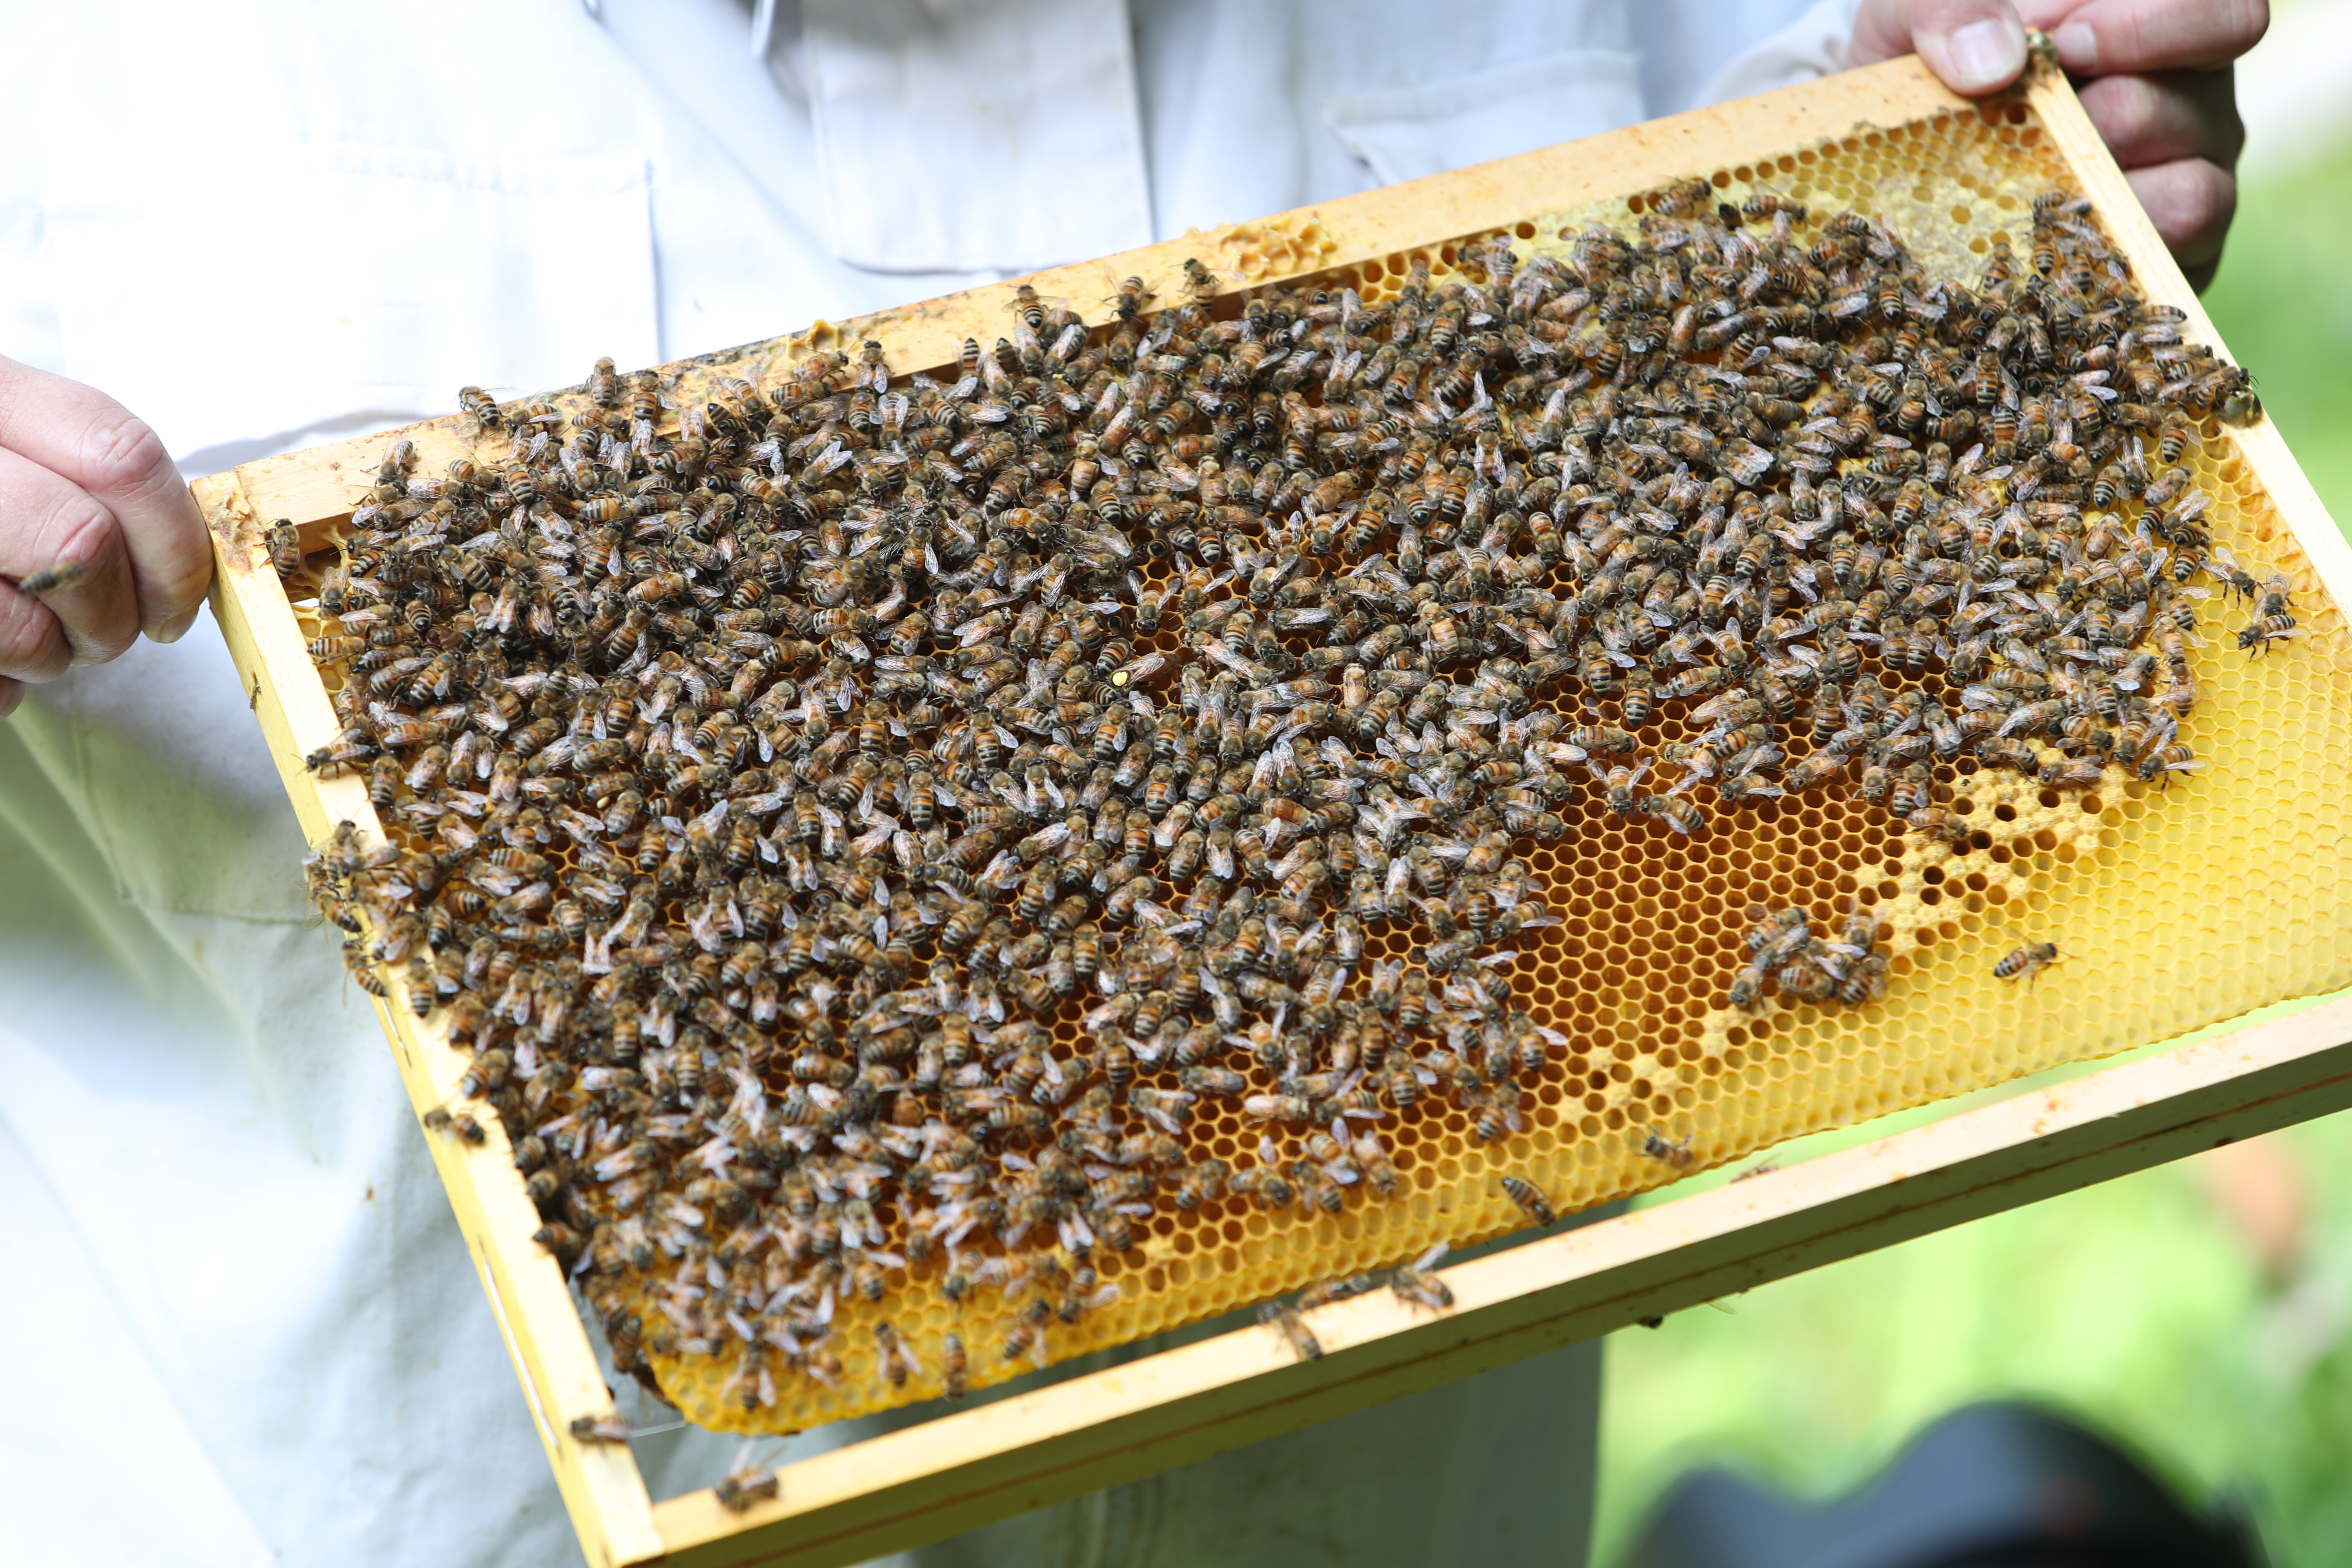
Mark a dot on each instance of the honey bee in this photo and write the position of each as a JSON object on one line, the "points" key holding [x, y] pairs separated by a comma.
{"points": [[335, 649], [480, 406], [54, 579], [1778, 933], [609, 1428], [1766, 203], [2259, 634], [1682, 199], [2231, 391], [1025, 1340], [1263, 1183], [894, 1361], [1680, 815], [1029, 307], [2276, 600], [1416, 1285], [1673, 1152], [1910, 793], [954, 1365], [285, 545], [1746, 988], [1617, 782], [1529, 1198], [1330, 1291], [1954, 832], [1285, 1322], [743, 1488], [2028, 959], [1602, 740], [456, 1124], [1127, 301]]}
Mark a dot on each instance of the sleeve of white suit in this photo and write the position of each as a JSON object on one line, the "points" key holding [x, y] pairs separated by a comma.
{"points": [[1818, 43]]}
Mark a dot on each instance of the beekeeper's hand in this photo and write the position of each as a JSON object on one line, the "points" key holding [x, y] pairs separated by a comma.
{"points": [[88, 495], [2153, 75]]}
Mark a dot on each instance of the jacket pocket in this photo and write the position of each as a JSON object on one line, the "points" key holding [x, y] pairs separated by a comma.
{"points": [[1406, 133], [232, 294], [246, 296]]}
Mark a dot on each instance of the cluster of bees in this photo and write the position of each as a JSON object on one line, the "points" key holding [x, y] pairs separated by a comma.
{"points": [[1782, 949], [1850, 968], [764, 778]]}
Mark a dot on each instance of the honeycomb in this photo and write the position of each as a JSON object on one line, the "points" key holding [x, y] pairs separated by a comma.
{"points": [[2173, 907], [1277, 249]]}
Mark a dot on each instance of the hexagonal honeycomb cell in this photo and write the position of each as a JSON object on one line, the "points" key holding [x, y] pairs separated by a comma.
{"points": [[2172, 907], [1275, 248]]}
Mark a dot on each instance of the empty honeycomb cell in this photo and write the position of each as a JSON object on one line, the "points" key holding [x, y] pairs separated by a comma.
{"points": [[2140, 889]]}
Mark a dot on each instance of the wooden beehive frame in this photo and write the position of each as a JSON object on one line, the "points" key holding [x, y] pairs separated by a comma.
{"points": [[966, 1470]]}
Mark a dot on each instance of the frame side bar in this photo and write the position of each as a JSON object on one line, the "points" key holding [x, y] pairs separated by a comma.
{"points": [[973, 1468], [546, 1339], [2063, 117]]}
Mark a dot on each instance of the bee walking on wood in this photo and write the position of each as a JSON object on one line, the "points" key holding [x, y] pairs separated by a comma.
{"points": [[1285, 1320], [458, 1124], [746, 1486], [285, 544], [481, 406], [1417, 1285]]}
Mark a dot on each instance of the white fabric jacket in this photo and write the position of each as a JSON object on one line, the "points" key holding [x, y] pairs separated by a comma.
{"points": [[243, 1326]]}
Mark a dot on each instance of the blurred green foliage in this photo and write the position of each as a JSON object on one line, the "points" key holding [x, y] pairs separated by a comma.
{"points": [[2283, 302], [2139, 1304], [2135, 1304]]}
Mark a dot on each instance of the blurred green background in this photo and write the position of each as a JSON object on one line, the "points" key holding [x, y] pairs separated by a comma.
{"points": [[2203, 1311]]}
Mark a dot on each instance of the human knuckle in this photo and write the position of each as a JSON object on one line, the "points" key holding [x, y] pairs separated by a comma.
{"points": [[103, 636], [102, 647], [186, 583], [2192, 201], [2124, 107], [123, 449], [2225, 130], [32, 644], [79, 529], [173, 565], [2207, 188], [2243, 22]]}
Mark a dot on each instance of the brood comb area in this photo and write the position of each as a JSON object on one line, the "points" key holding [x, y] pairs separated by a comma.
{"points": [[943, 872]]}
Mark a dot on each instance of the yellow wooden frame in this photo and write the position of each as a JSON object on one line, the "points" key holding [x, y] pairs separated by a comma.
{"points": [[968, 1469]]}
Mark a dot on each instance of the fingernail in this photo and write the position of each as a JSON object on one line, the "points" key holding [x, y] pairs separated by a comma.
{"points": [[1985, 55], [2078, 47], [175, 628]]}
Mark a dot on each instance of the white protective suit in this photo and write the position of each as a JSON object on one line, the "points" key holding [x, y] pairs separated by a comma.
{"points": [[242, 1326]]}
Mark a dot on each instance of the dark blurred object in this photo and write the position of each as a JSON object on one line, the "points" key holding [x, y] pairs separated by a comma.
{"points": [[1990, 1486]]}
